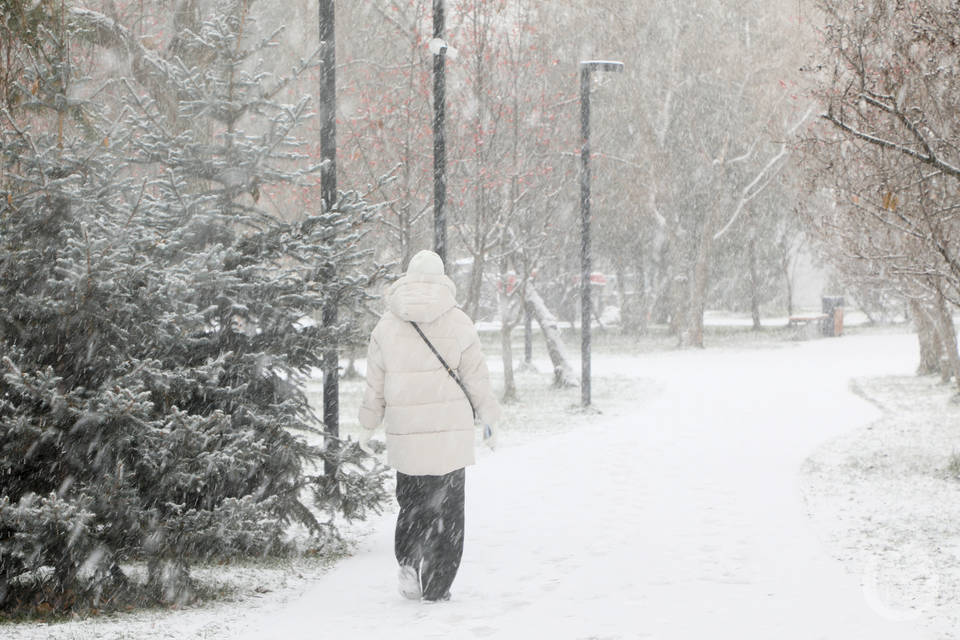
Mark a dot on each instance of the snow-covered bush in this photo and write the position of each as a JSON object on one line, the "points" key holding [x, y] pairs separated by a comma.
{"points": [[151, 330]]}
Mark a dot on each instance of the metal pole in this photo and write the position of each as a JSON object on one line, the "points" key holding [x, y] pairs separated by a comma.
{"points": [[586, 309], [328, 103], [585, 266], [439, 138], [328, 190]]}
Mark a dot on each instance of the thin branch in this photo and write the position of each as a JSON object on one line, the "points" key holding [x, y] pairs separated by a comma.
{"points": [[931, 160], [745, 194], [911, 126]]}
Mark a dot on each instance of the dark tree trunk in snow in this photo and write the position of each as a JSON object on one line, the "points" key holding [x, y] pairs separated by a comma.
{"points": [[563, 375]]}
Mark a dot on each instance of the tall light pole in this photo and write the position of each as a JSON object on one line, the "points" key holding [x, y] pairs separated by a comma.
{"points": [[328, 190], [587, 67], [439, 138]]}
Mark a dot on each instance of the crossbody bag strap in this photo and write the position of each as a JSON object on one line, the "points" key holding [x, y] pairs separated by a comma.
{"points": [[452, 373]]}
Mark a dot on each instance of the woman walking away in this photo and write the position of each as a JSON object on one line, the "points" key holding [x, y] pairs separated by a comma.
{"points": [[428, 383]]}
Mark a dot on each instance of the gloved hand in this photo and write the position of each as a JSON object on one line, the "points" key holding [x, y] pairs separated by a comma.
{"points": [[365, 443], [490, 437]]}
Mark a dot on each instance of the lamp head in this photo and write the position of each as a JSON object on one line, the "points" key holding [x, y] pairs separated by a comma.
{"points": [[601, 65]]}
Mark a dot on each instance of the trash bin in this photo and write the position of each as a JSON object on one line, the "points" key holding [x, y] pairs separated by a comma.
{"points": [[832, 325]]}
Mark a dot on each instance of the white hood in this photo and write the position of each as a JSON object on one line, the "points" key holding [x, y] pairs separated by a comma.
{"points": [[423, 294], [421, 297]]}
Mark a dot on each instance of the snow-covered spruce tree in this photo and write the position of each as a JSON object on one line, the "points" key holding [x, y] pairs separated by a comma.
{"points": [[153, 334]]}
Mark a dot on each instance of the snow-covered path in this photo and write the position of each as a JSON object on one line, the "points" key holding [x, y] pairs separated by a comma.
{"points": [[680, 520]]}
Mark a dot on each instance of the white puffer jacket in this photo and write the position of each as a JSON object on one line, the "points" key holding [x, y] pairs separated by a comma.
{"points": [[429, 425]]}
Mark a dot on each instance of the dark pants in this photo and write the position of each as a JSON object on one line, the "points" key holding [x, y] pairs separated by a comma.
{"points": [[429, 534]]}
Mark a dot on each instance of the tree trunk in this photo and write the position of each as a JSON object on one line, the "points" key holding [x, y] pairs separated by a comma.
{"points": [[662, 302], [948, 337], [472, 306], [785, 268], [509, 385], [931, 349], [351, 373], [403, 212], [563, 375], [679, 302], [645, 301], [170, 581], [527, 335], [698, 289], [754, 285], [692, 294], [628, 315], [506, 328], [789, 296]]}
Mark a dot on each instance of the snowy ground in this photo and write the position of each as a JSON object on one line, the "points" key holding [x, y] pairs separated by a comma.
{"points": [[724, 319], [886, 500], [674, 514]]}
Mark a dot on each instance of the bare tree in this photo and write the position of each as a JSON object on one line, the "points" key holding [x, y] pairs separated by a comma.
{"points": [[385, 117], [692, 137], [888, 152]]}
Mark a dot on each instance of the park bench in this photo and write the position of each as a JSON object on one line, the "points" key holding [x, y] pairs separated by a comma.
{"points": [[802, 321], [806, 327]]}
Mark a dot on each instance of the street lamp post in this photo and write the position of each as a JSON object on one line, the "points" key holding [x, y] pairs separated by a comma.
{"points": [[587, 67]]}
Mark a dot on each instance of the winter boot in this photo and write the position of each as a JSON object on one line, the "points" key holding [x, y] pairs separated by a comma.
{"points": [[409, 583], [444, 598]]}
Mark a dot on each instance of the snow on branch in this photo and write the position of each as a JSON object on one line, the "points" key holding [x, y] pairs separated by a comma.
{"points": [[762, 179], [887, 144], [751, 191]]}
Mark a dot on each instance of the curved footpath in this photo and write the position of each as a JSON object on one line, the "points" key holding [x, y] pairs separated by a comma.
{"points": [[680, 521]]}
